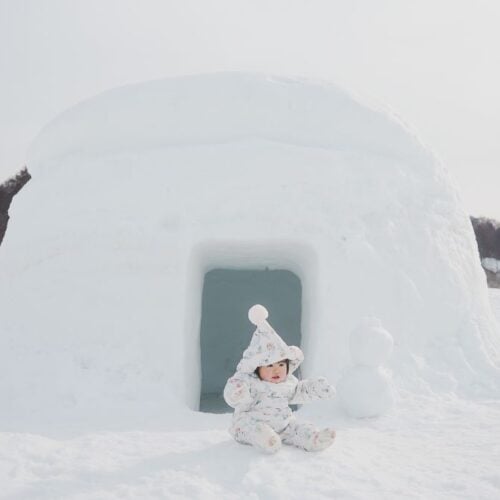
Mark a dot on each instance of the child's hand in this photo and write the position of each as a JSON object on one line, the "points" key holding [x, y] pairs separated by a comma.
{"points": [[237, 393], [323, 389], [312, 389]]}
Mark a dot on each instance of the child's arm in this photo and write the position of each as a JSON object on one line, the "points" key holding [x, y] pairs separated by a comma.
{"points": [[237, 392], [312, 390]]}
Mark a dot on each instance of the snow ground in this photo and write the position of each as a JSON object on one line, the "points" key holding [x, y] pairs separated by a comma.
{"points": [[429, 448], [432, 447]]}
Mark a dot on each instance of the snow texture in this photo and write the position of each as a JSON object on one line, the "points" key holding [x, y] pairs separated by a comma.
{"points": [[437, 447], [135, 195], [366, 389], [140, 191], [491, 264], [370, 344]]}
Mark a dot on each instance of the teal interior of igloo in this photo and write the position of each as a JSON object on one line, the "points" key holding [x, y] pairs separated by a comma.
{"points": [[225, 330]]}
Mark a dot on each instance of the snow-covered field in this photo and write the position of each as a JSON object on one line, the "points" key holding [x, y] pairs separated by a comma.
{"points": [[427, 447]]}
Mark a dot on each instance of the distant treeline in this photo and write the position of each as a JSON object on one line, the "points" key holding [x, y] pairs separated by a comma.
{"points": [[487, 236], [8, 190]]}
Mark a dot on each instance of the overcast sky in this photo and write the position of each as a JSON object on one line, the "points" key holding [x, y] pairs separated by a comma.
{"points": [[435, 63]]}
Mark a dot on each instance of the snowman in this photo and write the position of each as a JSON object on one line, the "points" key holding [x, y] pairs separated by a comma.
{"points": [[365, 389]]}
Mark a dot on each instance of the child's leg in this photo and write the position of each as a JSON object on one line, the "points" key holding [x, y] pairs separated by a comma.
{"points": [[258, 434], [306, 436]]}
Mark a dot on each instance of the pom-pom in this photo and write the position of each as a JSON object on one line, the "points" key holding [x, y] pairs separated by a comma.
{"points": [[257, 314]]}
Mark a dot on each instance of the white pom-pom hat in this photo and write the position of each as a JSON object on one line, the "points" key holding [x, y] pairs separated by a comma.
{"points": [[257, 314], [266, 346]]}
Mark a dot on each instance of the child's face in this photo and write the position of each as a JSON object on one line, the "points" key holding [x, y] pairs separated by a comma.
{"points": [[274, 373]]}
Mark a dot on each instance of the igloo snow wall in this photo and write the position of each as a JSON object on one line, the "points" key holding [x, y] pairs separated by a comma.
{"points": [[138, 192]]}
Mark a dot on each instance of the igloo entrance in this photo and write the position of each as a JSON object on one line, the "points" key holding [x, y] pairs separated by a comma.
{"points": [[225, 330]]}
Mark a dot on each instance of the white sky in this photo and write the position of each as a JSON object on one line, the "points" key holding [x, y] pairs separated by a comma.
{"points": [[436, 63]]}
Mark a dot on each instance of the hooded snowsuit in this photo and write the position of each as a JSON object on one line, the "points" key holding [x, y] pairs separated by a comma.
{"points": [[262, 414]]}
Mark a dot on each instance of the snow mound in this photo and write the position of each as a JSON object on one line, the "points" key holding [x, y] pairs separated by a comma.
{"points": [[365, 391], [370, 344], [224, 108], [366, 388], [140, 191]]}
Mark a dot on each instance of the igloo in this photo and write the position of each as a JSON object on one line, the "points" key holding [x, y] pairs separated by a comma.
{"points": [[139, 193]]}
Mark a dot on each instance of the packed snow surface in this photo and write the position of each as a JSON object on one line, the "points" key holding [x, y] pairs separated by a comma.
{"points": [[438, 447], [136, 194], [140, 191]]}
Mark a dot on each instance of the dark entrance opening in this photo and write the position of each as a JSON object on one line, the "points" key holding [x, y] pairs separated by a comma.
{"points": [[225, 329]]}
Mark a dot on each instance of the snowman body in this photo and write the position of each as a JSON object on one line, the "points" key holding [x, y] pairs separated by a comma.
{"points": [[365, 389]]}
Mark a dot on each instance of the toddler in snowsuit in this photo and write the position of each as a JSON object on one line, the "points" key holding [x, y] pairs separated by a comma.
{"points": [[263, 387]]}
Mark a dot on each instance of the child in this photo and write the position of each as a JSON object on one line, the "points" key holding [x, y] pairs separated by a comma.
{"points": [[263, 387]]}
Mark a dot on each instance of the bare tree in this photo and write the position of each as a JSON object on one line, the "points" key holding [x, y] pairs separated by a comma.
{"points": [[8, 190], [488, 241]]}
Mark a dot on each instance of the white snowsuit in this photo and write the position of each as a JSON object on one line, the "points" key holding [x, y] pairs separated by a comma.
{"points": [[262, 414], [262, 411]]}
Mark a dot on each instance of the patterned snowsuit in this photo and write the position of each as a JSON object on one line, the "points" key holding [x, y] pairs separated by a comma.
{"points": [[262, 414], [262, 411]]}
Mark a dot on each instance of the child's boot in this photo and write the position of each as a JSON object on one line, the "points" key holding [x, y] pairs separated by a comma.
{"points": [[306, 436], [266, 439], [320, 440]]}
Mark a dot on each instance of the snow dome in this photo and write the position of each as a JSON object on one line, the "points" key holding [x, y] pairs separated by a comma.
{"points": [[159, 212]]}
